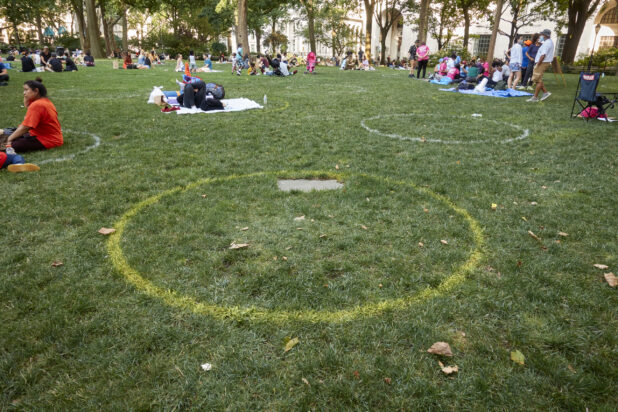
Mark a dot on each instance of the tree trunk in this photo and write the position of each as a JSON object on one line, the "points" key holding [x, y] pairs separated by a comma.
{"points": [[311, 29], [93, 30], [39, 28], [242, 34], [494, 31], [579, 13], [78, 9], [466, 38], [125, 30], [423, 20], [258, 40], [514, 22], [369, 6], [383, 46], [16, 34], [108, 44]]}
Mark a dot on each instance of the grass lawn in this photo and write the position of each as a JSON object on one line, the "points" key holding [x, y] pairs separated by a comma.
{"points": [[408, 253]]}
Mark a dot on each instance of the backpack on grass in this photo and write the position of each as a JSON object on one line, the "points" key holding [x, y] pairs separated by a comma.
{"points": [[216, 90]]}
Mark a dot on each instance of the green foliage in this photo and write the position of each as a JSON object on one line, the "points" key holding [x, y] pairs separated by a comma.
{"points": [[68, 42], [275, 41], [216, 48], [601, 58]]}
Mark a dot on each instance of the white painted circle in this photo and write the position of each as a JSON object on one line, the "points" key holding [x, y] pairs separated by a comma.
{"points": [[95, 138], [524, 132]]}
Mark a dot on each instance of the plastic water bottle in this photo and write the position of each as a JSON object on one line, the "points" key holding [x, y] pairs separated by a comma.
{"points": [[265, 100]]}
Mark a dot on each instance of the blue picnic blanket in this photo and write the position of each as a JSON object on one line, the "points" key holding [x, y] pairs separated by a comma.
{"points": [[445, 81], [490, 92]]}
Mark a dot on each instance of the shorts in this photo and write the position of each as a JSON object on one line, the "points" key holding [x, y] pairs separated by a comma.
{"points": [[539, 69], [515, 67], [192, 66]]}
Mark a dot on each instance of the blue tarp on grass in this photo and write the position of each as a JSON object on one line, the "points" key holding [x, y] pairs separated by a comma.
{"points": [[490, 92]]}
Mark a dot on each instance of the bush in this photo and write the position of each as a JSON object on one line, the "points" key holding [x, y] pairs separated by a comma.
{"points": [[603, 57], [217, 48]]}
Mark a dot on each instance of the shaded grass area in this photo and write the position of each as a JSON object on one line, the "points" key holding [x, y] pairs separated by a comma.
{"points": [[78, 336]]}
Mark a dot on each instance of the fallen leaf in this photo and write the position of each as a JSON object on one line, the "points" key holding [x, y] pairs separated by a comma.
{"points": [[440, 348], [533, 203], [600, 266], [611, 279], [57, 263], [305, 381], [458, 162], [356, 374], [519, 263], [363, 227], [299, 218], [387, 381], [299, 228], [238, 245], [336, 167], [106, 231], [322, 236], [425, 210], [288, 248], [543, 187], [524, 218], [518, 357], [245, 228], [571, 369], [275, 258], [206, 366], [421, 244], [380, 285], [535, 237], [290, 344], [448, 369], [563, 234], [284, 258], [203, 196], [444, 242], [494, 206], [312, 220]]}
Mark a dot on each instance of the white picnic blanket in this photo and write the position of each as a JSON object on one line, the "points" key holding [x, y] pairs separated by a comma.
{"points": [[232, 105]]}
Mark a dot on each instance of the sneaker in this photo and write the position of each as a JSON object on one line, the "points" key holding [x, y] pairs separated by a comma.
{"points": [[24, 167], [533, 99], [411, 76], [529, 88], [4, 84], [9, 150], [545, 96], [520, 87]]}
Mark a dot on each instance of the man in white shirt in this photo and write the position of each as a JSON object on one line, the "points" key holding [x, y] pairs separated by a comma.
{"points": [[517, 58], [543, 59]]}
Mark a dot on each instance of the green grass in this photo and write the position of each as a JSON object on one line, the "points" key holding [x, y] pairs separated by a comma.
{"points": [[81, 336]]}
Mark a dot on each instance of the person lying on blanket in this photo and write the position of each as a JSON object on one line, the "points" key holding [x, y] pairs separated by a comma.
{"points": [[196, 95], [40, 129]]}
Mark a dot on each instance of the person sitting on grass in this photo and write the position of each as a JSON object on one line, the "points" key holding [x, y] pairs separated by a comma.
{"points": [[16, 163], [146, 64], [207, 61], [40, 129], [54, 64], [88, 59], [496, 74], [4, 75], [27, 65], [127, 62], [310, 62], [69, 63], [45, 56]]}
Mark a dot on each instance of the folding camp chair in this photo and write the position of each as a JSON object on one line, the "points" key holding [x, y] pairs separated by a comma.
{"points": [[587, 97]]}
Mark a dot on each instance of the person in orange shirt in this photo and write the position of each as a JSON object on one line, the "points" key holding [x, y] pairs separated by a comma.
{"points": [[40, 129]]}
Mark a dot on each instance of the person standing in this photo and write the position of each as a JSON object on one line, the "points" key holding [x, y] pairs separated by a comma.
{"points": [[423, 58], [239, 57], [543, 59], [531, 54], [4, 75], [360, 54], [413, 57], [516, 63], [192, 62], [525, 61]]}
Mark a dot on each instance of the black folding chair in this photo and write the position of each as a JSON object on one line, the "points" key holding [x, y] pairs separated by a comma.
{"points": [[587, 97]]}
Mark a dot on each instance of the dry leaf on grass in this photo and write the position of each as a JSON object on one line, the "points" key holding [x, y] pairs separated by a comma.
{"points": [[448, 369], [571, 369], [284, 258], [57, 263], [387, 381], [611, 279], [444, 242], [600, 266], [206, 366], [524, 218], [288, 248], [106, 231], [535, 237], [245, 228], [441, 348], [421, 244], [204, 196], [494, 206], [563, 234], [299, 218], [305, 381], [518, 357], [322, 236], [363, 227], [533, 203], [336, 167], [290, 344], [238, 245]]}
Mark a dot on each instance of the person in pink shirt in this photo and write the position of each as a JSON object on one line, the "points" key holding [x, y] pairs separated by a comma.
{"points": [[453, 72], [423, 58]]}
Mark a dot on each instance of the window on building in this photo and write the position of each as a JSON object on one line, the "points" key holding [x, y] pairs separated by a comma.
{"points": [[560, 45], [481, 47], [611, 17], [608, 41]]}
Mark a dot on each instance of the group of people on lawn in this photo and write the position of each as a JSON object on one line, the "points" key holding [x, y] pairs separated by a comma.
{"points": [[525, 62], [44, 60]]}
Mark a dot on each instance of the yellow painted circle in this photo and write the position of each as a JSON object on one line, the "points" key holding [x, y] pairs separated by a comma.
{"points": [[184, 302]]}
